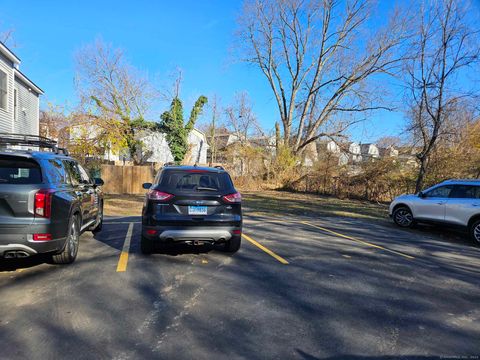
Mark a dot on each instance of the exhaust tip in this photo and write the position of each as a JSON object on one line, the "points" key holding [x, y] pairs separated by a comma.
{"points": [[9, 255]]}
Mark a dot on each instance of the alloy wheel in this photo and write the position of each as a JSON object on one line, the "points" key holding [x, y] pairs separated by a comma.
{"points": [[73, 239], [403, 217], [476, 233]]}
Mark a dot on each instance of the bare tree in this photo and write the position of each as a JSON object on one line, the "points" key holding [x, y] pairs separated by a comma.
{"points": [[317, 58], [242, 122], [113, 91], [444, 48], [241, 119], [212, 127], [52, 123]]}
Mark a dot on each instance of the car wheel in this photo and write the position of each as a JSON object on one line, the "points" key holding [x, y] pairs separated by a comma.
{"points": [[97, 227], [233, 245], [69, 252], [402, 216], [475, 232], [146, 245]]}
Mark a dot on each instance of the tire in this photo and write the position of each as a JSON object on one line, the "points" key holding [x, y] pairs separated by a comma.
{"points": [[146, 246], [475, 232], [402, 216], [97, 227], [233, 245], [70, 251]]}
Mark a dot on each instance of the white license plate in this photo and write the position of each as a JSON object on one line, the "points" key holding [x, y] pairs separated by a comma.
{"points": [[197, 210]]}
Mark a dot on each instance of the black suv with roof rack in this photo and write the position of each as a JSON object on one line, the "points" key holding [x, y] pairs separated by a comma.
{"points": [[46, 199], [193, 205]]}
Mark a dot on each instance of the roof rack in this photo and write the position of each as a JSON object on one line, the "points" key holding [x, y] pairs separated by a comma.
{"points": [[219, 167], [31, 140], [170, 163]]}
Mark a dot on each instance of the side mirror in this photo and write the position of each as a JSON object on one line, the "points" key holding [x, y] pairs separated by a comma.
{"points": [[422, 195], [98, 182], [147, 186]]}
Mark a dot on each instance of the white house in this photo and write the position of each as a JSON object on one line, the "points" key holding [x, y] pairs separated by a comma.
{"points": [[155, 148], [369, 151], [355, 151], [198, 147], [348, 153], [154, 145], [388, 152], [19, 97]]}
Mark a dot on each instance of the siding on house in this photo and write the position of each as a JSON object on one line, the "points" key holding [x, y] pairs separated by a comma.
{"points": [[198, 147], [27, 120], [6, 115], [155, 148]]}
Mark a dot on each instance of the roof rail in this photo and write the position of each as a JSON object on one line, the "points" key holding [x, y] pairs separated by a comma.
{"points": [[219, 167], [31, 140], [170, 163]]}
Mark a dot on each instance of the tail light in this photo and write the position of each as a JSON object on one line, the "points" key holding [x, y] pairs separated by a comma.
{"points": [[43, 203], [159, 195], [42, 237], [233, 198], [237, 232]]}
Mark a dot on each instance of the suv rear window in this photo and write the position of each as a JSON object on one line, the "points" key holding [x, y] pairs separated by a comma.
{"points": [[14, 170], [185, 181]]}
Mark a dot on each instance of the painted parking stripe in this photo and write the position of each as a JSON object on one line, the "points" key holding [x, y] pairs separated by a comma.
{"points": [[123, 260], [358, 240], [265, 249]]}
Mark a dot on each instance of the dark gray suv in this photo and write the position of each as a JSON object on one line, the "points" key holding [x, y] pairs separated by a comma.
{"points": [[46, 200], [193, 205]]}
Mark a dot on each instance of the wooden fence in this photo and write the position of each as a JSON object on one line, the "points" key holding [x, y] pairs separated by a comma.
{"points": [[126, 179]]}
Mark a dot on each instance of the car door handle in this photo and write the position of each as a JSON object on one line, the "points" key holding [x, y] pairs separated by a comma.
{"points": [[475, 205], [441, 202]]}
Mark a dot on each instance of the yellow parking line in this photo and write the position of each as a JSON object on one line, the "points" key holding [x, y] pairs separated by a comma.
{"points": [[359, 241], [123, 260], [268, 251]]}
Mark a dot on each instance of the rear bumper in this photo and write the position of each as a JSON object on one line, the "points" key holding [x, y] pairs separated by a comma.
{"points": [[170, 234], [21, 240], [29, 247]]}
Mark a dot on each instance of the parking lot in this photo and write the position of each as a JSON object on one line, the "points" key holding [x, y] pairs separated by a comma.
{"points": [[302, 286]]}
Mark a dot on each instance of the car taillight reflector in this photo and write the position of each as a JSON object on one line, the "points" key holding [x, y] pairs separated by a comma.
{"points": [[42, 237], [159, 195], [237, 232], [151, 232], [43, 203], [233, 198]]}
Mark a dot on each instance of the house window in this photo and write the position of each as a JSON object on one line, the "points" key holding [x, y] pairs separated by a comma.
{"points": [[3, 90]]}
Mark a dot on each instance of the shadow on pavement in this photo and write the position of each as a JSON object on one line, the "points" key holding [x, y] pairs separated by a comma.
{"points": [[181, 249], [15, 264]]}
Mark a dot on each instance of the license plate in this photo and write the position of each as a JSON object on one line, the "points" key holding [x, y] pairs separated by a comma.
{"points": [[197, 210]]}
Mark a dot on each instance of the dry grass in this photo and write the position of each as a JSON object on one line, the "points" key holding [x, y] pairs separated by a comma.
{"points": [[270, 202], [123, 205], [288, 203]]}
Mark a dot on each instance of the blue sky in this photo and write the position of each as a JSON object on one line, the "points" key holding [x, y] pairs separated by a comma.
{"points": [[158, 37]]}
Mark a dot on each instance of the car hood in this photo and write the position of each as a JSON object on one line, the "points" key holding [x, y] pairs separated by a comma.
{"points": [[406, 197]]}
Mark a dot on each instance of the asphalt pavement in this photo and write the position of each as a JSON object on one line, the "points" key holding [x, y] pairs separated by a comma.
{"points": [[299, 288]]}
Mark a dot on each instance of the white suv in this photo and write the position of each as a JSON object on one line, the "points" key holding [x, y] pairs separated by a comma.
{"points": [[454, 202]]}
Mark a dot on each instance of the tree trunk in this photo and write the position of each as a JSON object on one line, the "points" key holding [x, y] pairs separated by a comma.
{"points": [[421, 175]]}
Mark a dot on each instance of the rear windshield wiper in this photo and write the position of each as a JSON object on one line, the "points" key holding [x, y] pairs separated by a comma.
{"points": [[200, 188]]}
